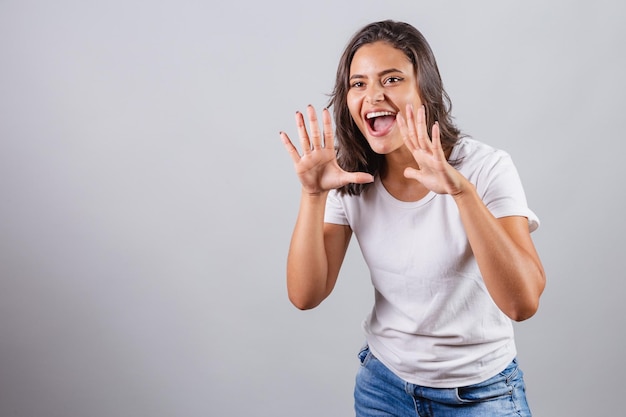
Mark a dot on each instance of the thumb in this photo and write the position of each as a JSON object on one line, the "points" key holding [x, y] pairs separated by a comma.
{"points": [[411, 173], [358, 177]]}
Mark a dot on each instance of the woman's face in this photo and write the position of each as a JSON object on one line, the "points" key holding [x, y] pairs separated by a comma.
{"points": [[382, 82]]}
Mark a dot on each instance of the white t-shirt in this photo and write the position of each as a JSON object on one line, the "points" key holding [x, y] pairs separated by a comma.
{"points": [[433, 322]]}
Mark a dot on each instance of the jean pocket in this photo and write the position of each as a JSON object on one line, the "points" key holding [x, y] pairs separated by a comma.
{"points": [[364, 355], [473, 394], [512, 372], [501, 385]]}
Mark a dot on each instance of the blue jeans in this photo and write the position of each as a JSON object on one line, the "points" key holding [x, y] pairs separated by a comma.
{"points": [[378, 392]]}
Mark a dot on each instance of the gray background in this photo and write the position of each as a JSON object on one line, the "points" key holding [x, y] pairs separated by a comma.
{"points": [[146, 202]]}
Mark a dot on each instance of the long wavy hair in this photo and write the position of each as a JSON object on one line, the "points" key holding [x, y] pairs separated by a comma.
{"points": [[353, 151]]}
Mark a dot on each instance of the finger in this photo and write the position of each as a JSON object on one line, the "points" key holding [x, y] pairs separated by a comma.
{"points": [[436, 142], [293, 152], [316, 138], [422, 131], [412, 173], [329, 140], [404, 131], [413, 132], [304, 135], [357, 178]]}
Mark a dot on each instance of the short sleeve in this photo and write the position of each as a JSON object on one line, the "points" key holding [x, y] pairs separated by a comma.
{"points": [[335, 212], [501, 189]]}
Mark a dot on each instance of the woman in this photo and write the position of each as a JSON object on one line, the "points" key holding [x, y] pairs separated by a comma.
{"points": [[443, 225]]}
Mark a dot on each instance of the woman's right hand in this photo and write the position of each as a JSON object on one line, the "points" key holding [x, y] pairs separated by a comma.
{"points": [[317, 167]]}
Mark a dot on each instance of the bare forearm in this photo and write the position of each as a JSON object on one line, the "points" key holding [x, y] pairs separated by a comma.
{"points": [[307, 264], [508, 262]]}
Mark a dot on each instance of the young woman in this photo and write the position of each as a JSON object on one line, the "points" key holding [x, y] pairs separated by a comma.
{"points": [[443, 225]]}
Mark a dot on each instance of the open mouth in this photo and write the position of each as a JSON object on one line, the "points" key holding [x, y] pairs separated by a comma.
{"points": [[380, 121]]}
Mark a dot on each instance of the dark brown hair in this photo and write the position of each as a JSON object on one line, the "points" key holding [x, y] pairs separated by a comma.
{"points": [[353, 152]]}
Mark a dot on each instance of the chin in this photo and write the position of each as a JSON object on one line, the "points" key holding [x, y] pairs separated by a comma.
{"points": [[383, 146]]}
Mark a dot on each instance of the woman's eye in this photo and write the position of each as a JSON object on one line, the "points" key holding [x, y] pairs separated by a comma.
{"points": [[357, 84], [392, 80]]}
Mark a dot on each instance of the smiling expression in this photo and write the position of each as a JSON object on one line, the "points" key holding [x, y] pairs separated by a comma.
{"points": [[382, 82]]}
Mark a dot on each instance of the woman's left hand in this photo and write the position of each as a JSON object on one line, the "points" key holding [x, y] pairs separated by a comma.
{"points": [[434, 172]]}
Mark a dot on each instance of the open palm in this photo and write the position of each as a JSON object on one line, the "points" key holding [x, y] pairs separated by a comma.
{"points": [[434, 172], [317, 167]]}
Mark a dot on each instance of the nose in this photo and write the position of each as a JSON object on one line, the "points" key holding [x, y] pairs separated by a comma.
{"points": [[374, 94]]}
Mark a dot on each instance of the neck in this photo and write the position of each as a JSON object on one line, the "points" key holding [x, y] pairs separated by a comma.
{"points": [[392, 176]]}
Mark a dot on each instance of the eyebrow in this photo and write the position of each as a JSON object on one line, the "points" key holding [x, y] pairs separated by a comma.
{"points": [[380, 74]]}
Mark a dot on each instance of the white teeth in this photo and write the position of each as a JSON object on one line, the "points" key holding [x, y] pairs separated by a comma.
{"points": [[378, 114]]}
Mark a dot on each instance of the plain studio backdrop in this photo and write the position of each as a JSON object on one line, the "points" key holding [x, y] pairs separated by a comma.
{"points": [[146, 201]]}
